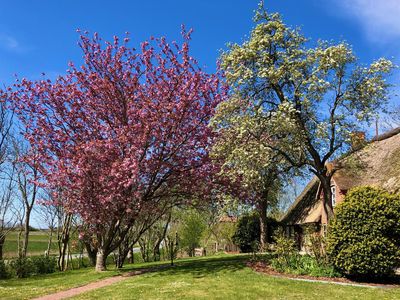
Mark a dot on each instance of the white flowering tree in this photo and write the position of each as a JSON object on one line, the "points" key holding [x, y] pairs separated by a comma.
{"points": [[302, 102], [241, 146]]}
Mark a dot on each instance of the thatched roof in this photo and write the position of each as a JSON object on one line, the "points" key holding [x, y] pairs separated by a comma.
{"points": [[376, 164], [304, 204]]}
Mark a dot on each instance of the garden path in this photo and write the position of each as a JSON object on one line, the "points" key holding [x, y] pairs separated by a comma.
{"points": [[97, 284]]}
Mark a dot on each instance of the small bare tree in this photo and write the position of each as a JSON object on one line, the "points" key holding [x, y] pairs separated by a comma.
{"points": [[26, 178], [48, 214], [60, 224], [7, 217]]}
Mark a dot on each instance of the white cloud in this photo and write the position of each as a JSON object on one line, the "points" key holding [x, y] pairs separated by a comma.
{"points": [[379, 18], [9, 43]]}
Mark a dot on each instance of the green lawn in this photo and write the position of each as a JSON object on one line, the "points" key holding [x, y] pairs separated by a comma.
{"points": [[227, 278], [220, 277]]}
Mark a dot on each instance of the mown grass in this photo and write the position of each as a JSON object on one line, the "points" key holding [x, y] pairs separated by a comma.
{"points": [[220, 277]]}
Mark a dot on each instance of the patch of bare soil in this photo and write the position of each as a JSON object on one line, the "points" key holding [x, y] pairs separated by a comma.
{"points": [[263, 267]]}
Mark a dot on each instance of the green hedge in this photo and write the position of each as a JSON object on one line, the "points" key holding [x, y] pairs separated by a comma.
{"points": [[364, 236], [44, 264], [25, 267], [22, 267]]}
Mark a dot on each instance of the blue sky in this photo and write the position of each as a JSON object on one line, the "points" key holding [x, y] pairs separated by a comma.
{"points": [[40, 36]]}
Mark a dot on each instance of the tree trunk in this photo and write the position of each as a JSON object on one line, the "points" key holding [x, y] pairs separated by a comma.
{"points": [[156, 252], [49, 242], [263, 224], [19, 243], [69, 257], [327, 197], [123, 251], [26, 232], [131, 258], [101, 261], [92, 253], [63, 240], [109, 238], [62, 266], [171, 251], [92, 259], [2, 240]]}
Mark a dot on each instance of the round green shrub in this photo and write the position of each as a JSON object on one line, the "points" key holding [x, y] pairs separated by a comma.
{"points": [[364, 236]]}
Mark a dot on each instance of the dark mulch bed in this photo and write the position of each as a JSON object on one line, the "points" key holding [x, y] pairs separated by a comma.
{"points": [[263, 267]]}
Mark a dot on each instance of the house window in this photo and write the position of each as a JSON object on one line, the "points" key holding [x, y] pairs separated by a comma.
{"points": [[333, 190]]}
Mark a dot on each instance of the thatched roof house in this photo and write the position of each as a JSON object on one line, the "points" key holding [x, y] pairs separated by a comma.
{"points": [[377, 163]]}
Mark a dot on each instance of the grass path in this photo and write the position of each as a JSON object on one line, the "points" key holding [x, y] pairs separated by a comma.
{"points": [[79, 290]]}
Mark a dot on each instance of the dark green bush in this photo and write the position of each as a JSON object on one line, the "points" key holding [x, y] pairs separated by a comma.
{"points": [[44, 264], [22, 267], [247, 234], [364, 236], [4, 271]]}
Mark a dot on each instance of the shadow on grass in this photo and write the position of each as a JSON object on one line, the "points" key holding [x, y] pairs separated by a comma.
{"points": [[198, 268]]}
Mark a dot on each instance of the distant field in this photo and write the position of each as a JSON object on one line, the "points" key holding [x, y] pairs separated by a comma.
{"points": [[37, 244]]}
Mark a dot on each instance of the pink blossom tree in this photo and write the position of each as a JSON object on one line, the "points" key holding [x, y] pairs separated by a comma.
{"points": [[125, 131]]}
